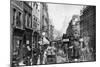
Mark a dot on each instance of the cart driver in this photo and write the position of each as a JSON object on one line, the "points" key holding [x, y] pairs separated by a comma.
{"points": [[51, 50]]}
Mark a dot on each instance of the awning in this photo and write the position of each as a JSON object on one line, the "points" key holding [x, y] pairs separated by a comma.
{"points": [[44, 41]]}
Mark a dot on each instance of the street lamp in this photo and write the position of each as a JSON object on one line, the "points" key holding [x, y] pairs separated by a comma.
{"points": [[41, 55], [81, 39], [43, 33]]}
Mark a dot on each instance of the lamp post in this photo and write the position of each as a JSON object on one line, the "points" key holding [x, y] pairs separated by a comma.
{"points": [[43, 34], [41, 56]]}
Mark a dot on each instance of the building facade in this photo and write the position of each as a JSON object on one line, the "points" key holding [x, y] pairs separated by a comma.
{"points": [[73, 29], [17, 31], [36, 22], [36, 16], [76, 26], [21, 30], [27, 44], [44, 18], [88, 27], [73, 36]]}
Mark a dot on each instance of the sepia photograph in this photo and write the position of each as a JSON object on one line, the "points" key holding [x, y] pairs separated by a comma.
{"points": [[45, 33]]}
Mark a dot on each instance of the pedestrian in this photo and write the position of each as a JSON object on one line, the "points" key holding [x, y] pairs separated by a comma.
{"points": [[76, 49], [35, 56]]}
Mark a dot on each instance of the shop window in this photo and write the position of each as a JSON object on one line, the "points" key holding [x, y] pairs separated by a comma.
{"points": [[16, 47], [16, 20]]}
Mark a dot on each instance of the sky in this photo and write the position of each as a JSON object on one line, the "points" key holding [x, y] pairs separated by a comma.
{"points": [[61, 14]]}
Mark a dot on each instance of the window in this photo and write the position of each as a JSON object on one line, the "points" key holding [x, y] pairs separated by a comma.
{"points": [[30, 22], [18, 19], [14, 16], [25, 19], [16, 47]]}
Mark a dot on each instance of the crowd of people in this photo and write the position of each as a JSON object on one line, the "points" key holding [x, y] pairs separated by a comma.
{"points": [[56, 52]]}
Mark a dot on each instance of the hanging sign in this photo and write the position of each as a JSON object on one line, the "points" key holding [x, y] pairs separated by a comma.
{"points": [[64, 40]]}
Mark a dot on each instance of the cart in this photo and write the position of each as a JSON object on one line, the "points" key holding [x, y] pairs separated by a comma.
{"points": [[51, 59]]}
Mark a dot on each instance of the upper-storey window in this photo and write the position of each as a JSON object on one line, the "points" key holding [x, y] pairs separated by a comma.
{"points": [[25, 19], [18, 19], [30, 22], [14, 16]]}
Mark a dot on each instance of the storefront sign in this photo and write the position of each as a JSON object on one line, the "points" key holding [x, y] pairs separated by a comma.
{"points": [[64, 40]]}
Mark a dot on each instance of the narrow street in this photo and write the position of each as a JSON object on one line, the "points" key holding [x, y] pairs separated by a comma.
{"points": [[49, 33]]}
